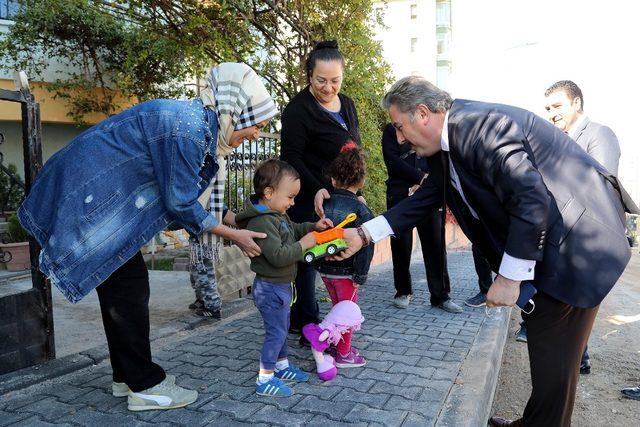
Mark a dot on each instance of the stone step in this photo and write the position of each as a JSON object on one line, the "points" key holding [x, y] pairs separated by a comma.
{"points": [[13, 276]]}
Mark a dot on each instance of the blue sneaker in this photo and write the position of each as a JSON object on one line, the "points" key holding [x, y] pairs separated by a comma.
{"points": [[274, 388], [293, 374]]}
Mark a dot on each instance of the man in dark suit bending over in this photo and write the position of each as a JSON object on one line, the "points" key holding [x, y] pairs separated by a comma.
{"points": [[538, 207]]}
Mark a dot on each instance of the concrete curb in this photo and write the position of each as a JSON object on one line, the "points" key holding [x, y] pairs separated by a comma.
{"points": [[471, 395], [26, 377]]}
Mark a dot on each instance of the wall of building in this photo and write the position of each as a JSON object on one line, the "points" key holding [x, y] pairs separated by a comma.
{"points": [[408, 37], [54, 137]]}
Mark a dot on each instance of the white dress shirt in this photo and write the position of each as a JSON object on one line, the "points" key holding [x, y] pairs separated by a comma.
{"points": [[510, 267]]}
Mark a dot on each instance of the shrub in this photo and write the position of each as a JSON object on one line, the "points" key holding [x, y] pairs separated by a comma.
{"points": [[16, 232]]}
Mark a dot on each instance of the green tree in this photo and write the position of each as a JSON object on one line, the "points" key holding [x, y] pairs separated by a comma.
{"points": [[146, 49]]}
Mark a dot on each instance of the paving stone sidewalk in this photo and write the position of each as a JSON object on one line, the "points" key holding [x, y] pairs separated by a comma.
{"points": [[413, 359]]}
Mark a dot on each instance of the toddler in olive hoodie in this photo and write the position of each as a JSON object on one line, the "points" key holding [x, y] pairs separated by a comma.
{"points": [[276, 184]]}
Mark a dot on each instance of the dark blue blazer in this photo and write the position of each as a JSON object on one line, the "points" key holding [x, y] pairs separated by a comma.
{"points": [[538, 196]]}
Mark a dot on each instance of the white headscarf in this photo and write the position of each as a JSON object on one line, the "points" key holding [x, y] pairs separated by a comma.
{"points": [[239, 98]]}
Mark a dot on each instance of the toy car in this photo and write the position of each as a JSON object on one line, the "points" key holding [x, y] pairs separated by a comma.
{"points": [[328, 242]]}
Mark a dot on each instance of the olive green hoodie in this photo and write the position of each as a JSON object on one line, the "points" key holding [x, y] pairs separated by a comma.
{"points": [[281, 250]]}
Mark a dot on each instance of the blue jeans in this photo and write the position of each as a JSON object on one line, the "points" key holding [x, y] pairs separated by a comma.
{"points": [[273, 301]]}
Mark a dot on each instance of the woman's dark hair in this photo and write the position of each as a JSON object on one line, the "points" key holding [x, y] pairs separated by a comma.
{"points": [[348, 168], [323, 51], [269, 174]]}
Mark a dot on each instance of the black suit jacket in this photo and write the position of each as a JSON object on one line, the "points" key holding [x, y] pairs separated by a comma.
{"points": [[538, 196]]}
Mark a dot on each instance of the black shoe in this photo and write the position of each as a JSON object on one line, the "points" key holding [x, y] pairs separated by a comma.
{"points": [[196, 305], [585, 368], [205, 312], [631, 393], [500, 422]]}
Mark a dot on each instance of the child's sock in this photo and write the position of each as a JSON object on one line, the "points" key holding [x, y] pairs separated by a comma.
{"points": [[318, 356], [282, 364], [264, 378]]}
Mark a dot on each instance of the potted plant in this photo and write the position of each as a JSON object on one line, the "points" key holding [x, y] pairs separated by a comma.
{"points": [[17, 245]]}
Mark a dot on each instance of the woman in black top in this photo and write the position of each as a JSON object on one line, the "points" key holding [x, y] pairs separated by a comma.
{"points": [[315, 125]]}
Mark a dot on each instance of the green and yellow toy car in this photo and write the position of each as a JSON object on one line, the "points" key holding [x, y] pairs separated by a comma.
{"points": [[328, 242]]}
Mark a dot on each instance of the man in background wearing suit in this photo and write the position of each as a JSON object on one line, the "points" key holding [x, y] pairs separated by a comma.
{"points": [[564, 103], [406, 172], [539, 208]]}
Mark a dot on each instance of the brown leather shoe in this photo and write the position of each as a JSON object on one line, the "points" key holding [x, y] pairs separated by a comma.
{"points": [[500, 422]]}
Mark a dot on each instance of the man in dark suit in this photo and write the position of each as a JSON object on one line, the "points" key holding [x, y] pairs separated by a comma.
{"points": [[406, 172], [539, 208]]}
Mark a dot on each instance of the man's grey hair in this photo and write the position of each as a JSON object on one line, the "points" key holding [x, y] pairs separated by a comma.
{"points": [[409, 92]]}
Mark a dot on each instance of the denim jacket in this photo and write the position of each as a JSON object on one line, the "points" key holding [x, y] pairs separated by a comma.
{"points": [[341, 204], [98, 200]]}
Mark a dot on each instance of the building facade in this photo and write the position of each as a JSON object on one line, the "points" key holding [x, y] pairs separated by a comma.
{"points": [[416, 38]]}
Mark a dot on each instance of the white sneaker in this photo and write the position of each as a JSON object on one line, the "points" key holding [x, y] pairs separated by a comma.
{"points": [[122, 389], [161, 396], [402, 301]]}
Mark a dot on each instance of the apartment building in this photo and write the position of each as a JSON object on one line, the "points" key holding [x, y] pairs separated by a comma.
{"points": [[416, 38]]}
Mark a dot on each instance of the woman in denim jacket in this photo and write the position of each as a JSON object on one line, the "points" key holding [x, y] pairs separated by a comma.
{"points": [[97, 201]]}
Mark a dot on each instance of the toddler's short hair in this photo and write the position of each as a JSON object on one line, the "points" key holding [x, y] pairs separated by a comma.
{"points": [[269, 174]]}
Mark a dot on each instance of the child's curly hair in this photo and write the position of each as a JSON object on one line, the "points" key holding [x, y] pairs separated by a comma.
{"points": [[269, 174], [348, 169]]}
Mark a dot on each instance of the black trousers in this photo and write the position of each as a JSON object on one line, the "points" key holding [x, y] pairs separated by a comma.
{"points": [[483, 270], [124, 303], [430, 233], [305, 309], [557, 333]]}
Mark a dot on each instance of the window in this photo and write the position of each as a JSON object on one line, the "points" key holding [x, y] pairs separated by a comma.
{"points": [[414, 44], [442, 76], [443, 43], [414, 11], [443, 13], [8, 8]]}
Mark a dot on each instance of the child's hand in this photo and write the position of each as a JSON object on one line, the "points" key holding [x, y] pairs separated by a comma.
{"points": [[307, 241], [323, 224]]}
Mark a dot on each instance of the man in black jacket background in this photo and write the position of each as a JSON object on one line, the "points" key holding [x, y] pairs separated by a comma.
{"points": [[406, 172]]}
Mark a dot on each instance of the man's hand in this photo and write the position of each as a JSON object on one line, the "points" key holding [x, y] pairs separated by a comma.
{"points": [[307, 241], [503, 292], [244, 239], [354, 244], [323, 224], [318, 201], [362, 200]]}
